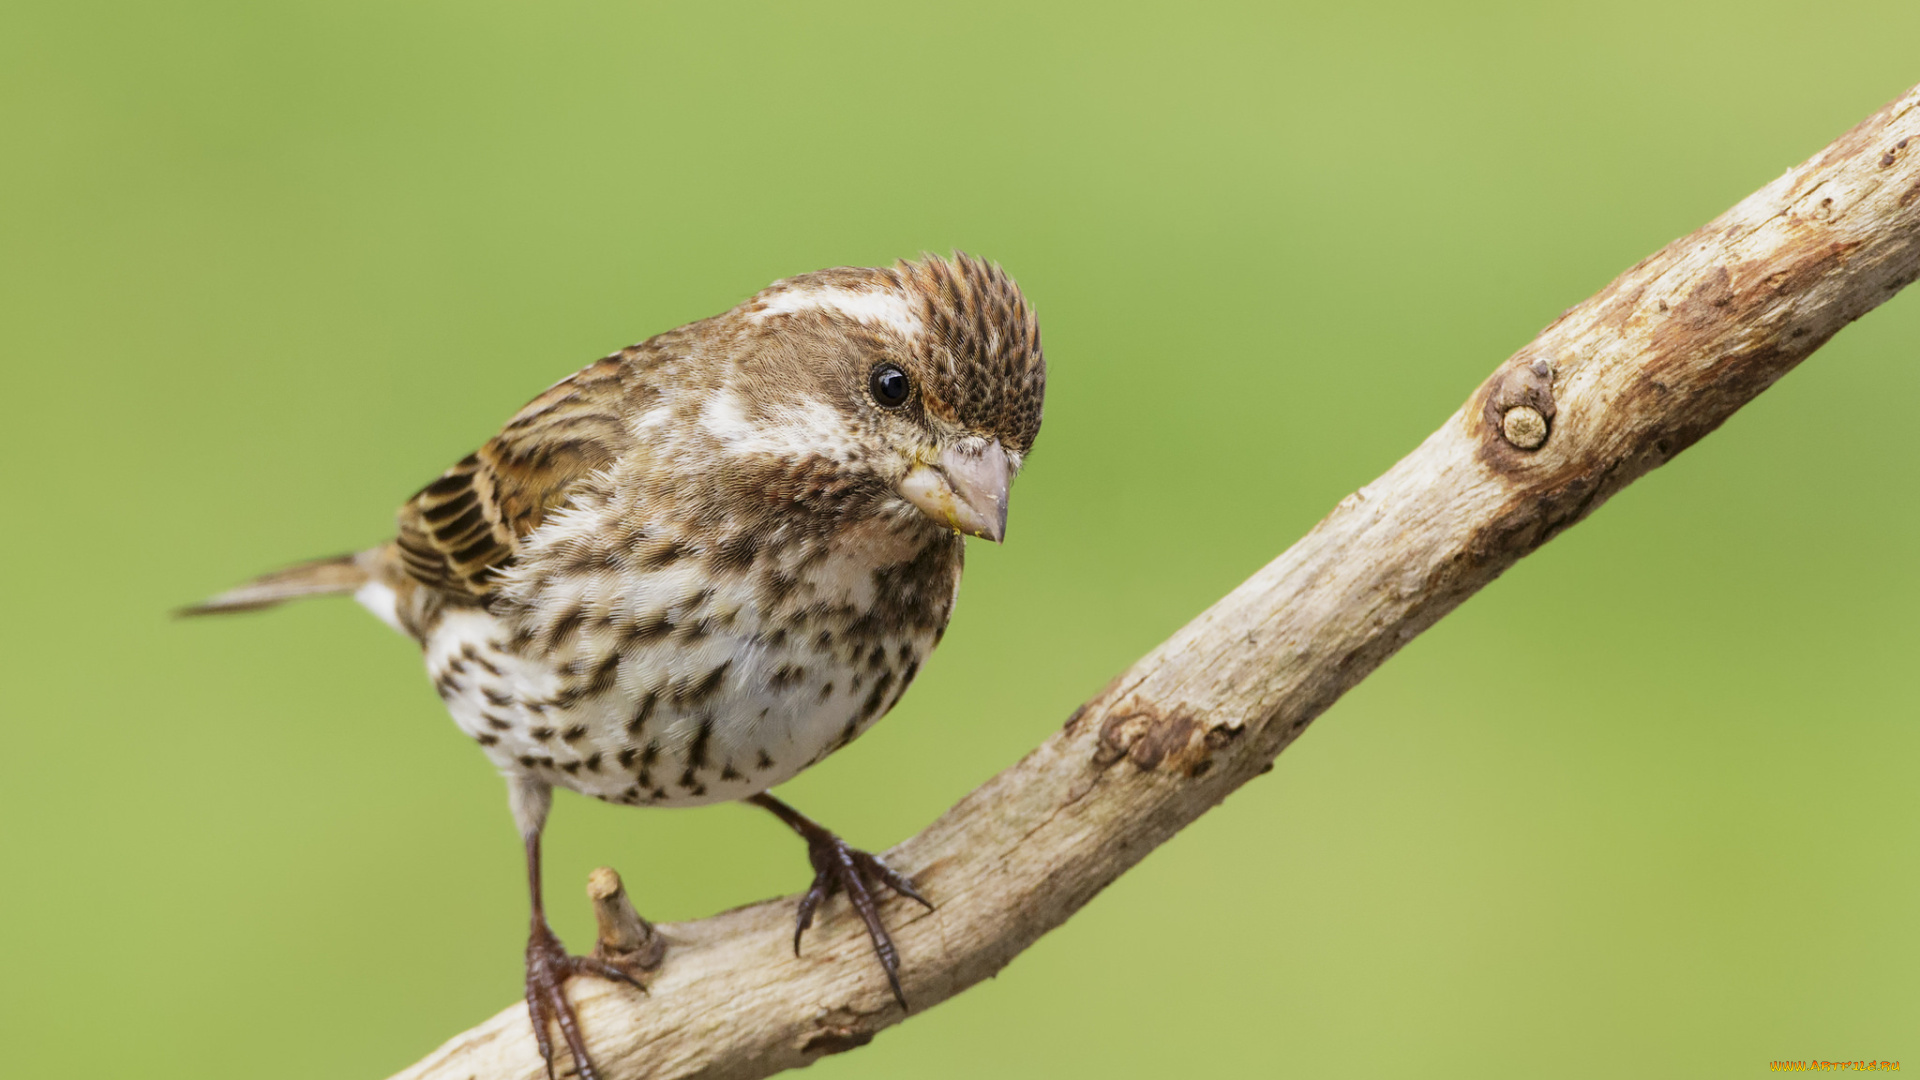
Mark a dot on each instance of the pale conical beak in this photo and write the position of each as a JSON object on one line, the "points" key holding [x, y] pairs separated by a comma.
{"points": [[965, 488]]}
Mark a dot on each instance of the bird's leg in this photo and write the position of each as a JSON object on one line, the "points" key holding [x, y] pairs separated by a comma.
{"points": [[838, 867], [549, 965]]}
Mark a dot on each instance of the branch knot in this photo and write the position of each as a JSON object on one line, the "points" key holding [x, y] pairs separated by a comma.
{"points": [[1520, 405]]}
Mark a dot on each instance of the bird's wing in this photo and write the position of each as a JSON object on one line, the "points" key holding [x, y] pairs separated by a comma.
{"points": [[469, 523]]}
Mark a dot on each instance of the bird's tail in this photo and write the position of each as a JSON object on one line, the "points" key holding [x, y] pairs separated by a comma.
{"points": [[321, 577]]}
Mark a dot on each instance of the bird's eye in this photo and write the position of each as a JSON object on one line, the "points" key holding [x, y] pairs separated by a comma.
{"points": [[890, 386]]}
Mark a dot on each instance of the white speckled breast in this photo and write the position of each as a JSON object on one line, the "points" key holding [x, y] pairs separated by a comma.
{"points": [[680, 683]]}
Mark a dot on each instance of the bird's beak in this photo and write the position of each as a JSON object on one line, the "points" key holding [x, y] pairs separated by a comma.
{"points": [[964, 487]]}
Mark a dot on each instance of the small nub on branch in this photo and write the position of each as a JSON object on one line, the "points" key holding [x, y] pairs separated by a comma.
{"points": [[1524, 427], [626, 940]]}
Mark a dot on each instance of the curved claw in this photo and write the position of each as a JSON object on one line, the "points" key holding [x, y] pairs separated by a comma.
{"points": [[822, 887], [891, 878], [549, 966], [841, 868], [589, 965]]}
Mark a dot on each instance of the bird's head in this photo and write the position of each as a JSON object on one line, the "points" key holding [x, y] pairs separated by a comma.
{"points": [[917, 386]]}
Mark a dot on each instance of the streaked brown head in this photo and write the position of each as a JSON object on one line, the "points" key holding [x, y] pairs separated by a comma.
{"points": [[926, 376]]}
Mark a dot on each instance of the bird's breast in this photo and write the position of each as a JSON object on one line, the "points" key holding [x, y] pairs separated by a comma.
{"points": [[688, 682]]}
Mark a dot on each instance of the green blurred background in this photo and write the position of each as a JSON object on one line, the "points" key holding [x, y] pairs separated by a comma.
{"points": [[1645, 805]]}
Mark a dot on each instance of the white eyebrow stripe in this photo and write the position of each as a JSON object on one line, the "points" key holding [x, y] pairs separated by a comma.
{"points": [[880, 306]]}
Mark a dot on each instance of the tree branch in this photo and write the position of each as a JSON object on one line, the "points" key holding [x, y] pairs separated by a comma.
{"points": [[1614, 388]]}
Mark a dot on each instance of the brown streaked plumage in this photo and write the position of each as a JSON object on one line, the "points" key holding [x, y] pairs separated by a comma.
{"points": [[463, 527], [703, 563]]}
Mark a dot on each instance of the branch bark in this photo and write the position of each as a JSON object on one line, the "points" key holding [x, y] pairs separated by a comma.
{"points": [[1611, 390]]}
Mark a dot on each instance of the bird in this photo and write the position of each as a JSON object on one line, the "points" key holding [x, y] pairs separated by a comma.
{"points": [[703, 563]]}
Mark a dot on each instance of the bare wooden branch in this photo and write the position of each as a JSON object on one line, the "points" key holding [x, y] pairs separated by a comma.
{"points": [[1614, 388]]}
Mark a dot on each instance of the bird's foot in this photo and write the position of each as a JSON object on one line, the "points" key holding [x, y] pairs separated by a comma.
{"points": [[838, 867], [549, 966]]}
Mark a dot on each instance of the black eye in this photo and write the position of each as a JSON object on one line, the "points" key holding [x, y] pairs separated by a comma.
{"points": [[890, 386]]}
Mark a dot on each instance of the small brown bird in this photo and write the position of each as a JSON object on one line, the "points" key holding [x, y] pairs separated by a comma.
{"points": [[709, 560]]}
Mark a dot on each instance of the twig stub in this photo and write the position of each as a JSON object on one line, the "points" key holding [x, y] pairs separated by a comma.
{"points": [[1520, 403], [1524, 427], [625, 939]]}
